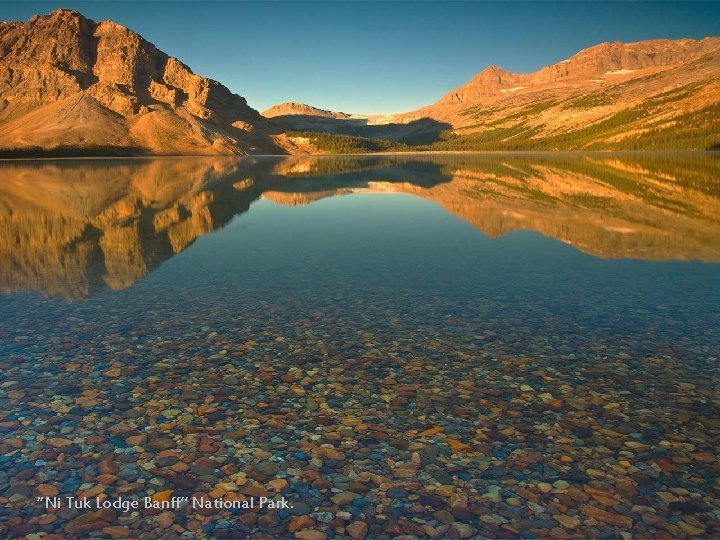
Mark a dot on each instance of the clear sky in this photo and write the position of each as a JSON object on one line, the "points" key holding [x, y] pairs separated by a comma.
{"points": [[378, 56]]}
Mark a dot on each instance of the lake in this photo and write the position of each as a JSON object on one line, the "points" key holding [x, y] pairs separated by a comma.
{"points": [[499, 345]]}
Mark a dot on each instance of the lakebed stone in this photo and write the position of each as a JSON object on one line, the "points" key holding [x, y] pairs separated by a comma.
{"points": [[420, 434]]}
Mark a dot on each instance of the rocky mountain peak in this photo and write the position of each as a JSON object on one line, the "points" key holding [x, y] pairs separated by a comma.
{"points": [[150, 96], [60, 14], [494, 75], [493, 69]]}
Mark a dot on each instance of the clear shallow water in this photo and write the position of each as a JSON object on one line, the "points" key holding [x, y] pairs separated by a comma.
{"points": [[460, 329]]}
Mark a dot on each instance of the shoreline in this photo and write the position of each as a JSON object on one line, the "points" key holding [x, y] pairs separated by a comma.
{"points": [[373, 154]]}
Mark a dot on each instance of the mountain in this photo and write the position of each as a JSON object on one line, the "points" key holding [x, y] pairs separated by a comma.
{"points": [[299, 117], [650, 94], [291, 108], [67, 80], [657, 94]]}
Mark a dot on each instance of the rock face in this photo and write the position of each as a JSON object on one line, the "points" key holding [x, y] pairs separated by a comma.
{"points": [[67, 80], [291, 108], [602, 64]]}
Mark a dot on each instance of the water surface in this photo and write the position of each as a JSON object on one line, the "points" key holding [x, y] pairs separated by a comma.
{"points": [[508, 345]]}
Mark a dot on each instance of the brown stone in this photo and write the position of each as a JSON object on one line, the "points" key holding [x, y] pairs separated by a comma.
{"points": [[92, 521], [162, 496], [46, 490], [310, 534], [164, 519], [108, 467], [117, 531], [344, 497], [300, 522], [568, 522], [604, 516], [411, 528], [58, 442], [136, 440], [107, 479], [357, 529], [255, 491], [462, 530]]}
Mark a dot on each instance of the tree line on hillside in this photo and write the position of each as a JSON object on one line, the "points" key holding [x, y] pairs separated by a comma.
{"points": [[699, 130], [70, 151]]}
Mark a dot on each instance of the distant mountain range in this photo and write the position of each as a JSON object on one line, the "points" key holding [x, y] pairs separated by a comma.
{"points": [[67, 81], [290, 108]]}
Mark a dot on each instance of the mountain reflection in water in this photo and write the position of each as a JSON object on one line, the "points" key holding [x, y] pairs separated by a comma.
{"points": [[70, 228]]}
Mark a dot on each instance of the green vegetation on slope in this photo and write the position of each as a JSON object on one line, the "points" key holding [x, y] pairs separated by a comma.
{"points": [[699, 130], [348, 144], [646, 126], [524, 113], [498, 138], [592, 100]]}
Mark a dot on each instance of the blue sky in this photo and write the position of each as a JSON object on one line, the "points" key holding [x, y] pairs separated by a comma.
{"points": [[378, 56]]}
